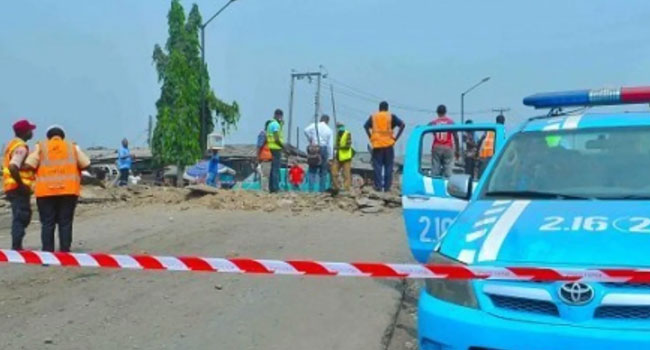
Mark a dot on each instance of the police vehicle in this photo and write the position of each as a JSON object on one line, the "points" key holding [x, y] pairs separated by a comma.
{"points": [[570, 188]]}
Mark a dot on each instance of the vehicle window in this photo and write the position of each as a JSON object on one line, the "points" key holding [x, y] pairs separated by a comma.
{"points": [[597, 163], [446, 152]]}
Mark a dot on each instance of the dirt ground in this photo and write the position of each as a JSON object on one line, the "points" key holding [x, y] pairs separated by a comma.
{"points": [[56, 308]]}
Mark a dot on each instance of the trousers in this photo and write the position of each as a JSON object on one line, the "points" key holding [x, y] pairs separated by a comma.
{"points": [[346, 169], [56, 211], [382, 164], [21, 212], [274, 177]]}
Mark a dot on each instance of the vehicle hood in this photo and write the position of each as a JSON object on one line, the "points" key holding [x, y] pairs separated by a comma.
{"points": [[551, 232]]}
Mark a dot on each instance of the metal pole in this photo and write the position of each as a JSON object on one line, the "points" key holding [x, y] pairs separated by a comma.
{"points": [[297, 137], [150, 131], [201, 81], [333, 104], [462, 108], [317, 105], [291, 109], [203, 119], [318, 77]]}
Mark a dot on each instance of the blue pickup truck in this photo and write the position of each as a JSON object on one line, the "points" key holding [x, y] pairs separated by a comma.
{"points": [[569, 188]]}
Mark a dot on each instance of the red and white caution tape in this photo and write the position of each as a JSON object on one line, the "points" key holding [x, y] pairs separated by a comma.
{"points": [[319, 268]]}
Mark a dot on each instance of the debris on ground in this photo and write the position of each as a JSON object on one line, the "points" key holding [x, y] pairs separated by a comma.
{"points": [[363, 200]]}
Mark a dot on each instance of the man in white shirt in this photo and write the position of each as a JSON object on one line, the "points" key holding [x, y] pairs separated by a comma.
{"points": [[322, 137]]}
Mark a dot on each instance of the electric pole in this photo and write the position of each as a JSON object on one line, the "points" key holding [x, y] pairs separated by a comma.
{"points": [[293, 79], [501, 110], [309, 76], [150, 131], [333, 104], [317, 102]]}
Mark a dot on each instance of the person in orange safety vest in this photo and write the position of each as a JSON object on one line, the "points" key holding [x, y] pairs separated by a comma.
{"points": [[58, 164], [486, 146], [379, 128], [17, 181]]}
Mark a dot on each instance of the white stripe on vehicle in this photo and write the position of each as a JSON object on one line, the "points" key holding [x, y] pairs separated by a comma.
{"points": [[467, 256], [471, 237], [486, 221], [494, 211], [571, 122], [428, 185], [496, 236], [500, 203], [551, 127]]}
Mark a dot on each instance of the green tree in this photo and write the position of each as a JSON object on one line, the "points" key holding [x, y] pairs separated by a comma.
{"points": [[176, 135]]}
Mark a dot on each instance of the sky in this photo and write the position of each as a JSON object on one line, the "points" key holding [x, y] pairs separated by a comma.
{"points": [[87, 66]]}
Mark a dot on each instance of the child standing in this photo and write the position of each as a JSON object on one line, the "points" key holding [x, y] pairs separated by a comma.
{"points": [[296, 175]]}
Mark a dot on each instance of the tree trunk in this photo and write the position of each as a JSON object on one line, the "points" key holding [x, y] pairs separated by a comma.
{"points": [[180, 170]]}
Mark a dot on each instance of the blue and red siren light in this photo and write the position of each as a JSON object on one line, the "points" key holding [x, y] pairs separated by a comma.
{"points": [[593, 97]]}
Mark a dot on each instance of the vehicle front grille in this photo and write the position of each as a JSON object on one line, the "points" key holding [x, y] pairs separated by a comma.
{"points": [[623, 312], [525, 305], [615, 285]]}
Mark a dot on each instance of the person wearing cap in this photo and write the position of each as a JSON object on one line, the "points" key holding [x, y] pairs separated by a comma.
{"points": [[58, 164], [343, 155], [275, 141], [17, 181]]}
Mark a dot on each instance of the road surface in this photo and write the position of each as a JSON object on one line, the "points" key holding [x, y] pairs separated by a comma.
{"points": [[55, 308]]}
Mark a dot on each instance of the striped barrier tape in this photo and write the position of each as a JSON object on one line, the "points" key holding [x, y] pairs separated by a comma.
{"points": [[318, 268]]}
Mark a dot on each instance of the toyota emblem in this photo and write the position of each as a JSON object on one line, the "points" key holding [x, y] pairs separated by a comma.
{"points": [[576, 293]]}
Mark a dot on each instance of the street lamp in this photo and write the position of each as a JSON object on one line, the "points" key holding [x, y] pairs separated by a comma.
{"points": [[202, 130], [462, 98]]}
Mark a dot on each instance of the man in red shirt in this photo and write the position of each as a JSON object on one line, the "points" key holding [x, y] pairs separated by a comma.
{"points": [[445, 146]]}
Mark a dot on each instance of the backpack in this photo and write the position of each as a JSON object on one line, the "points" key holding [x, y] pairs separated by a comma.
{"points": [[313, 156]]}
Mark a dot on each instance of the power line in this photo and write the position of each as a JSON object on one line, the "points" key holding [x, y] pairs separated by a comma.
{"points": [[375, 98], [351, 91]]}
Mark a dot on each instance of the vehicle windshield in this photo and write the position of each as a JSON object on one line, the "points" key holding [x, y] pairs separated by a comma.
{"points": [[603, 163]]}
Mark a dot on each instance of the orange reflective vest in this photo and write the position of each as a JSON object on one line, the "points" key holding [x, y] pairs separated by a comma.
{"points": [[26, 175], [382, 130], [487, 147], [58, 173]]}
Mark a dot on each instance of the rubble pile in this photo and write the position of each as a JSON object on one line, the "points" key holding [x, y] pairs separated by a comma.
{"points": [[364, 201]]}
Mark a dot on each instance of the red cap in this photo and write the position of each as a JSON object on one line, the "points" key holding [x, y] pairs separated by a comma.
{"points": [[23, 126]]}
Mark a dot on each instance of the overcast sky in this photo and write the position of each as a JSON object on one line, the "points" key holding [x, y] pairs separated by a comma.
{"points": [[87, 64]]}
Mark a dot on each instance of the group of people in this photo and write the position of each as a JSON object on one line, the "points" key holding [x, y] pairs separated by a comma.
{"points": [[52, 172], [477, 152], [329, 152]]}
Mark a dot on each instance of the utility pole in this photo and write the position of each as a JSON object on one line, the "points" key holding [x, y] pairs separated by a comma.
{"points": [[149, 131], [293, 79], [310, 76], [317, 102], [501, 110], [333, 104]]}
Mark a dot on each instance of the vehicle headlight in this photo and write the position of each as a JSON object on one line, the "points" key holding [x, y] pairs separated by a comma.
{"points": [[458, 292]]}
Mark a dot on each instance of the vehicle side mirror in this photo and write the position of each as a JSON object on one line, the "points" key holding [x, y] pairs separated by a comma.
{"points": [[460, 186]]}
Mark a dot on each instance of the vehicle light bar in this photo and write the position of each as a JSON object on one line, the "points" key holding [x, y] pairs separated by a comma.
{"points": [[593, 97]]}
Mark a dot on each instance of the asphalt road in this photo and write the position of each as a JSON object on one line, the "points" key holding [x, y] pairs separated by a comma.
{"points": [[55, 308]]}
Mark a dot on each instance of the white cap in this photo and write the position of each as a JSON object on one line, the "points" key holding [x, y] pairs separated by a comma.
{"points": [[55, 126]]}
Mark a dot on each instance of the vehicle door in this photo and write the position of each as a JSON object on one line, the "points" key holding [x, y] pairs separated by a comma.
{"points": [[428, 208]]}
